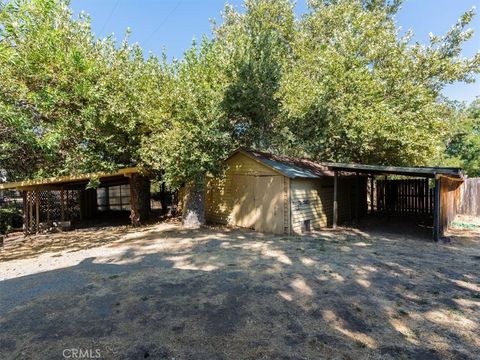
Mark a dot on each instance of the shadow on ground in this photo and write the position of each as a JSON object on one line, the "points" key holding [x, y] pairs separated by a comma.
{"points": [[231, 294]]}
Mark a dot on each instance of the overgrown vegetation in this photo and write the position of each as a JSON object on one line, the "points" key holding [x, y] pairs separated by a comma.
{"points": [[339, 83], [10, 217], [463, 143]]}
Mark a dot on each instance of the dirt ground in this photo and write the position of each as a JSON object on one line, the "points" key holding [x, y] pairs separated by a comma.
{"points": [[161, 292]]}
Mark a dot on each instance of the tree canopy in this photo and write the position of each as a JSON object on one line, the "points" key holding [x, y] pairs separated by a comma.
{"points": [[463, 141], [338, 83], [192, 136], [69, 102], [356, 90]]}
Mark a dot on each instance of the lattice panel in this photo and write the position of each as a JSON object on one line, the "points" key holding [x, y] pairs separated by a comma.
{"points": [[50, 209], [50, 206], [72, 200], [30, 213]]}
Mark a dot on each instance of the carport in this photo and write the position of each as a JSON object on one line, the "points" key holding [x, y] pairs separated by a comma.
{"points": [[419, 191], [52, 202]]}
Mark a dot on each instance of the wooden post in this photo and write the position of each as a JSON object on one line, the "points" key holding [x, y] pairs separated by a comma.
{"points": [[30, 213], [436, 210], [67, 205], [133, 201], [83, 201], [107, 198], [62, 204], [48, 208], [25, 213], [37, 211], [120, 192], [372, 183], [357, 197], [335, 203], [290, 206]]}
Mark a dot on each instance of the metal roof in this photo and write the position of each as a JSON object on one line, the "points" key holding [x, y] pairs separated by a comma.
{"points": [[294, 167], [289, 170], [72, 179], [288, 166], [420, 171]]}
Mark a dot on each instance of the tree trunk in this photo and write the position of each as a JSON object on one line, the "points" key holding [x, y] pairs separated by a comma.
{"points": [[164, 199], [194, 204], [139, 199]]}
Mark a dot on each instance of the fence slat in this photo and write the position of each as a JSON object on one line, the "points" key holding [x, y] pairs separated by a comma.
{"points": [[406, 196], [470, 197]]}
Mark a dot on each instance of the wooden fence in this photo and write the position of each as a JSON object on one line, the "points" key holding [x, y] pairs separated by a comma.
{"points": [[406, 196], [449, 201], [470, 197]]}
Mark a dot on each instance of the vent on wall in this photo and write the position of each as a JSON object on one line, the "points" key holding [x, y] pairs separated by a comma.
{"points": [[306, 226]]}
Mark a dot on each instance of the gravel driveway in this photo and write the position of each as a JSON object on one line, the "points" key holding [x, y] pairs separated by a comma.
{"points": [[161, 292]]}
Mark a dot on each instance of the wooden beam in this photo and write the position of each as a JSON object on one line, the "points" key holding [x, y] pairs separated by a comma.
{"points": [[62, 204], [68, 179], [436, 210], [107, 198], [335, 203], [288, 183], [120, 196], [398, 170], [67, 205], [30, 213], [48, 207], [133, 201], [372, 183], [37, 211], [83, 201], [25, 213], [357, 197]]}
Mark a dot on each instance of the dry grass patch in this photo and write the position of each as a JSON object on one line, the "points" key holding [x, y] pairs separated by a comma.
{"points": [[168, 292]]}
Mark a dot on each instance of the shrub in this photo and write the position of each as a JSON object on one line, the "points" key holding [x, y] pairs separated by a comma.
{"points": [[10, 217]]}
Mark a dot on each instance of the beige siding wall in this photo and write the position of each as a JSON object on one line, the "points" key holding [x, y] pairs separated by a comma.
{"points": [[287, 209], [243, 165], [312, 199], [241, 197], [218, 200], [309, 201]]}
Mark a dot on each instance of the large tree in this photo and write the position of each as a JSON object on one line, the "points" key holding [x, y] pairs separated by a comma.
{"points": [[357, 91], [223, 94], [190, 139], [463, 140], [257, 42], [69, 102]]}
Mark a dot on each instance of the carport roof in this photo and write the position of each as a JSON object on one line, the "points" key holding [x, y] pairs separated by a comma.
{"points": [[294, 167], [73, 180], [418, 171]]}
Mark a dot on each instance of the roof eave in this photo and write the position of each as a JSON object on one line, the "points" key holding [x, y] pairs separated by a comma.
{"points": [[66, 179], [430, 172]]}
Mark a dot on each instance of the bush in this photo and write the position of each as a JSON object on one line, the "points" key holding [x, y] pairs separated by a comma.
{"points": [[10, 217]]}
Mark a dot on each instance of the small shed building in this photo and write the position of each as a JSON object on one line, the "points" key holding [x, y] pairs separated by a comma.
{"points": [[286, 195], [281, 195]]}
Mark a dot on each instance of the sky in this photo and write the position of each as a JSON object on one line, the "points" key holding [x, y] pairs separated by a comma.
{"points": [[172, 24]]}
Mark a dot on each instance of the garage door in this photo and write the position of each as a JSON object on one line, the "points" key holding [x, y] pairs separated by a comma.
{"points": [[258, 203], [269, 201], [243, 194]]}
